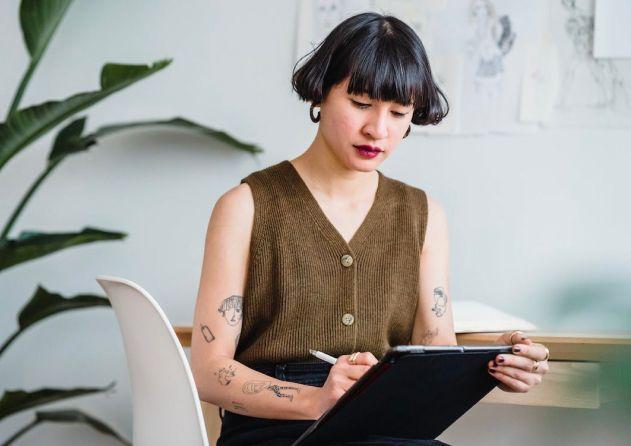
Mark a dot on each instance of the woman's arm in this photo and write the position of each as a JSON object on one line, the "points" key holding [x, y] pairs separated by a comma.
{"points": [[515, 372], [217, 322], [434, 319]]}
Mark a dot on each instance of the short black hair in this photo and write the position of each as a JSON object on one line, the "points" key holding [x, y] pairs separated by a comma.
{"points": [[384, 58]]}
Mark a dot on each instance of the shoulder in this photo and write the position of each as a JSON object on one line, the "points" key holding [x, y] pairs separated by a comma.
{"points": [[235, 204], [436, 235]]}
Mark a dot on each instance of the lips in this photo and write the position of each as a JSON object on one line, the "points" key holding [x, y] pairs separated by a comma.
{"points": [[369, 148]]}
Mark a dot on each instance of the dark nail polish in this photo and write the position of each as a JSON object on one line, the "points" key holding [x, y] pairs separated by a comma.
{"points": [[500, 359], [516, 349], [492, 370]]}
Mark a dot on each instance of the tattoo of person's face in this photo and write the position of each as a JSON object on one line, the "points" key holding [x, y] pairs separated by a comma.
{"points": [[207, 334], [225, 374], [252, 387], [440, 301], [231, 309]]}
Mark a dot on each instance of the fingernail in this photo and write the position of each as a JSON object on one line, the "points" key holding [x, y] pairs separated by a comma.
{"points": [[491, 370], [500, 359], [523, 338], [516, 349]]}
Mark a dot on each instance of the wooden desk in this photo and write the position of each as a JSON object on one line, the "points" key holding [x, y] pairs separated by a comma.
{"points": [[575, 363]]}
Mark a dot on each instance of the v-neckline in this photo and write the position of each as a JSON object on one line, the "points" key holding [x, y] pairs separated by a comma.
{"points": [[323, 222]]}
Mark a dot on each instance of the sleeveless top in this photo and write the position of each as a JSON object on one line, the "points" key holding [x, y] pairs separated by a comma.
{"points": [[307, 288]]}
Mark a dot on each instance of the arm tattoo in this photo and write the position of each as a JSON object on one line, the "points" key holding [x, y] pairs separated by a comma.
{"points": [[428, 335], [440, 301], [238, 406], [225, 375], [231, 309], [208, 335], [252, 387]]}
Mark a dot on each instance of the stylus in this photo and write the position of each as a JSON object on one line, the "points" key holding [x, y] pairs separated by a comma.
{"points": [[323, 356]]}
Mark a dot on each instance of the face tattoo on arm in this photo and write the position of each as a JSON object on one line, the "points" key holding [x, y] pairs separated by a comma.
{"points": [[440, 301], [231, 309]]}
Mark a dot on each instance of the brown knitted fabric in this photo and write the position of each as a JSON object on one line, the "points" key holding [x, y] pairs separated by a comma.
{"points": [[300, 286]]}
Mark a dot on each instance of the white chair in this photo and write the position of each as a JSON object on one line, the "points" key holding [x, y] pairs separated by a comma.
{"points": [[166, 406]]}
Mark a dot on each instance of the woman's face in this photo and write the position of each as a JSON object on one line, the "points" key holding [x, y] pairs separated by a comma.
{"points": [[350, 120]]}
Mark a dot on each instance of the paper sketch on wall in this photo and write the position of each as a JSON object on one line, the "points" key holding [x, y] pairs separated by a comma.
{"points": [[587, 81], [593, 91], [496, 37]]}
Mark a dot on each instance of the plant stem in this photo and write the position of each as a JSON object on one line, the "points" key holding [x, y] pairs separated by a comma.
{"points": [[21, 432], [9, 341], [20, 91], [27, 196]]}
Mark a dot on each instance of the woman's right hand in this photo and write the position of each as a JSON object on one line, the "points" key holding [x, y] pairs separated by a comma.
{"points": [[341, 377]]}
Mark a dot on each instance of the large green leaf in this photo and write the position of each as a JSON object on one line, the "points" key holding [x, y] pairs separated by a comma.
{"points": [[44, 304], [183, 123], [69, 139], [68, 416], [26, 125], [39, 20], [31, 245], [14, 401]]}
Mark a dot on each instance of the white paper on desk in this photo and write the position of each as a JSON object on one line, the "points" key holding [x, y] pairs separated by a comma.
{"points": [[612, 33], [475, 317]]}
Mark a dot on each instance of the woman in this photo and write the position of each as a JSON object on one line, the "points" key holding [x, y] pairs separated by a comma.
{"points": [[325, 252]]}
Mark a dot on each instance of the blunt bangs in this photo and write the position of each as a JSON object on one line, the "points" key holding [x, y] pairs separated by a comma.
{"points": [[382, 57]]}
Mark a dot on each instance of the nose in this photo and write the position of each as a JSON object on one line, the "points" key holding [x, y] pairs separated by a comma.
{"points": [[376, 127]]}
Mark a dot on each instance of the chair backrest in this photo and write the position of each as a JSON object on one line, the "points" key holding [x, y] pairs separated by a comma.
{"points": [[166, 407]]}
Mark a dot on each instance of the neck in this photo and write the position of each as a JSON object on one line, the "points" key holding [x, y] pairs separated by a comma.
{"points": [[327, 175]]}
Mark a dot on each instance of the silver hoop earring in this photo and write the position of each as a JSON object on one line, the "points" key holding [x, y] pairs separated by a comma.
{"points": [[314, 118]]}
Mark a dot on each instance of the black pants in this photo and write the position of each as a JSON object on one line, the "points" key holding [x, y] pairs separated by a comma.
{"points": [[241, 430]]}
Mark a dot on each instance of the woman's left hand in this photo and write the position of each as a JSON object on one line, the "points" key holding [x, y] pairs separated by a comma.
{"points": [[515, 371]]}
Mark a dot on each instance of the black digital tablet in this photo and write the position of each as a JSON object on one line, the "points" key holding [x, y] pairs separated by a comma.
{"points": [[414, 391]]}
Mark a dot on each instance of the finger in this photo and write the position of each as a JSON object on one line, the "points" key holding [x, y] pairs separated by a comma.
{"points": [[513, 384], [536, 352], [528, 378], [505, 338], [354, 372], [366, 358], [508, 360]]}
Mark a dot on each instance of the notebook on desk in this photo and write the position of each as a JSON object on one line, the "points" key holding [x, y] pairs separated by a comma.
{"points": [[413, 392]]}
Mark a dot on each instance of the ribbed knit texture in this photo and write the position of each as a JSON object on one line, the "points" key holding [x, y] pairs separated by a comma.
{"points": [[298, 289]]}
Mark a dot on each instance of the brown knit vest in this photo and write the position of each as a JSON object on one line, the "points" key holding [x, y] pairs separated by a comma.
{"points": [[308, 288]]}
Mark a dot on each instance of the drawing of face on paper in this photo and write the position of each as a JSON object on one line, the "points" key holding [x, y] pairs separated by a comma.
{"points": [[588, 82]]}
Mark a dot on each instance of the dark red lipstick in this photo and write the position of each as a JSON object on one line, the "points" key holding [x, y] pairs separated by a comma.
{"points": [[368, 151]]}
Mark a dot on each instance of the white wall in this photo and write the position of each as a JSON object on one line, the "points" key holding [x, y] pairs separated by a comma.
{"points": [[530, 216]]}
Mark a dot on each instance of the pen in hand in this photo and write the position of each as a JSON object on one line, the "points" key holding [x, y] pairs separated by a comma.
{"points": [[323, 356]]}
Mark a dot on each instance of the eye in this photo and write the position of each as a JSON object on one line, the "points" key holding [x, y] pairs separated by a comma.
{"points": [[399, 114], [360, 104]]}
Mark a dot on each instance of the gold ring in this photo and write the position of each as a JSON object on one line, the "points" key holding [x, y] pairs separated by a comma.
{"points": [[510, 339], [547, 354], [535, 366], [353, 358]]}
